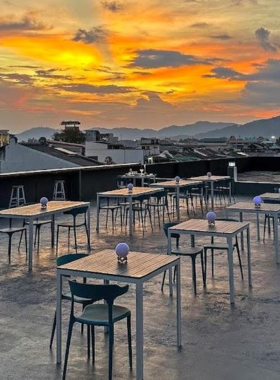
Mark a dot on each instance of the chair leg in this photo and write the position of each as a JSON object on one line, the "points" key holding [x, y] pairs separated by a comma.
{"points": [[88, 342], [53, 330], [111, 343], [57, 235], [194, 273], [212, 260], [25, 235], [163, 280], [75, 237], [70, 329], [38, 236], [20, 239], [264, 227], [203, 270], [10, 248], [239, 259], [93, 343], [87, 232], [68, 238], [129, 340], [205, 264]]}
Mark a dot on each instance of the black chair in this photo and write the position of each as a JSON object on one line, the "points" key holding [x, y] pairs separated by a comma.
{"points": [[192, 252], [269, 217], [222, 247], [10, 231], [65, 259], [141, 206], [73, 225], [160, 202], [113, 208], [37, 224], [99, 315]]}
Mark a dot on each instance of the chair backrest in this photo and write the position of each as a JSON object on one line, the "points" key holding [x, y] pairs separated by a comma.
{"points": [[143, 198], [275, 201], [97, 292], [173, 235], [65, 259], [77, 211], [227, 219]]}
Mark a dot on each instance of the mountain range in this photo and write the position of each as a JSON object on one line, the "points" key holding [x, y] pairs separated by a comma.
{"points": [[201, 129]]}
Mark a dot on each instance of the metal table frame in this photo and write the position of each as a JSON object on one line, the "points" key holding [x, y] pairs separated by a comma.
{"points": [[139, 282]]}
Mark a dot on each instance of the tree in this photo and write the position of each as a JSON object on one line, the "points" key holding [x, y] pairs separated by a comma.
{"points": [[70, 136]]}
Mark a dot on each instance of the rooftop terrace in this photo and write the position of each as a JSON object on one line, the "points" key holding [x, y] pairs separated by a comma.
{"points": [[219, 341]]}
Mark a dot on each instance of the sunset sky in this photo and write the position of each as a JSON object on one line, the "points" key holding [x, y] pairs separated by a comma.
{"points": [[131, 63]]}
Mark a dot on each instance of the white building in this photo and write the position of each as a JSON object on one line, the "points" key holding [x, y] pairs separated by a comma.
{"points": [[106, 148]]}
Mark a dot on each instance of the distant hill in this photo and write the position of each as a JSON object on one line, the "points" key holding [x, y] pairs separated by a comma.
{"points": [[36, 133], [263, 127]]}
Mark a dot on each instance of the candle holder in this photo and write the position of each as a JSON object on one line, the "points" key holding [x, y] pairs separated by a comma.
{"points": [[209, 174], [122, 250], [44, 202], [130, 187], [257, 201], [177, 179]]}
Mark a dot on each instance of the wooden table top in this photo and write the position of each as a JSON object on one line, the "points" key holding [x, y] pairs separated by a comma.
{"points": [[201, 225], [138, 265], [275, 196], [182, 183], [124, 192], [36, 211], [138, 175], [249, 206], [213, 178]]}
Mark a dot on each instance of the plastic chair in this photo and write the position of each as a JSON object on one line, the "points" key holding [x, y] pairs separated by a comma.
{"points": [[65, 259], [222, 247], [113, 208], [269, 217], [192, 252], [99, 315], [74, 213], [37, 224], [140, 206], [10, 231], [160, 203]]}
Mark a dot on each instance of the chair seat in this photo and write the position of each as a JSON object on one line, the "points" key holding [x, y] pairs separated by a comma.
{"points": [[70, 224], [97, 314], [39, 222], [187, 251], [77, 299], [216, 246], [12, 230], [112, 207]]}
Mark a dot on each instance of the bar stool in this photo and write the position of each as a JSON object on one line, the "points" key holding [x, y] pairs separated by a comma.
{"points": [[17, 196], [59, 191]]}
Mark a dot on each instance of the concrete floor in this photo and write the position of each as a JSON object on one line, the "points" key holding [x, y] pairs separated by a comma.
{"points": [[259, 176], [219, 342]]}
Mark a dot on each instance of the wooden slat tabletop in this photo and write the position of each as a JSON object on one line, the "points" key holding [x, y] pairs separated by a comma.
{"points": [[105, 262], [201, 225], [182, 183], [124, 192], [249, 206], [35, 209], [205, 178], [275, 196]]}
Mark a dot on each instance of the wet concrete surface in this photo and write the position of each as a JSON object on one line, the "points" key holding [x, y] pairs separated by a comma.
{"points": [[219, 341]]}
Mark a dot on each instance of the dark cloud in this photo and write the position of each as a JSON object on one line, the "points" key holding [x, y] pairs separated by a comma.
{"points": [[25, 67], [96, 34], [17, 78], [91, 89], [113, 6], [262, 36], [225, 73], [28, 22], [154, 59], [50, 74], [200, 25], [221, 37]]}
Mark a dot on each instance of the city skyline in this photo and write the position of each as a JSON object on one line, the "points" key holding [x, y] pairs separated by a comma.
{"points": [[146, 64]]}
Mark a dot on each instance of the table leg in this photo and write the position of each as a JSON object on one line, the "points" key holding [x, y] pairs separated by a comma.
{"points": [[170, 270], [258, 226], [178, 291], [53, 229], [230, 193], [212, 194], [58, 316], [130, 216], [276, 238], [230, 269], [88, 226], [30, 248], [192, 240], [178, 202], [139, 331], [242, 234], [97, 212], [249, 258]]}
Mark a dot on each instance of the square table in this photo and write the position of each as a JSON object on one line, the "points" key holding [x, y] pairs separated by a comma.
{"points": [[124, 193], [142, 177], [272, 197], [211, 180], [224, 229], [265, 208], [176, 185], [35, 211], [140, 268]]}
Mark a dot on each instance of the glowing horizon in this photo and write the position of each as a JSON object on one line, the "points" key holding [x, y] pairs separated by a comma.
{"points": [[147, 64]]}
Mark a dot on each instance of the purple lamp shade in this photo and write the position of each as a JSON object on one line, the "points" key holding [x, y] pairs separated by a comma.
{"points": [[257, 200], [44, 201], [130, 187], [122, 250], [209, 174], [211, 217], [177, 179], [279, 190]]}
